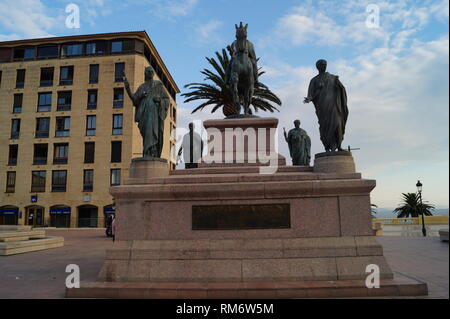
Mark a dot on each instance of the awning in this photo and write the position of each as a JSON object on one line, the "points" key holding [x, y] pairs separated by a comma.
{"points": [[60, 211], [109, 210], [9, 211]]}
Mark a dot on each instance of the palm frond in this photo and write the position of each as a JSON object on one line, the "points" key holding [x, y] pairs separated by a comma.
{"points": [[217, 92]]}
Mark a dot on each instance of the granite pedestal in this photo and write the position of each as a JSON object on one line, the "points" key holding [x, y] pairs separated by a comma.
{"points": [[227, 231]]}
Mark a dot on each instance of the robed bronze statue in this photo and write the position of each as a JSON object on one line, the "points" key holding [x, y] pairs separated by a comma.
{"points": [[299, 145], [330, 100], [152, 103]]}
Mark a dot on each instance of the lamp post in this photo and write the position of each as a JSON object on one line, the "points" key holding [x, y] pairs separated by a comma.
{"points": [[419, 190]]}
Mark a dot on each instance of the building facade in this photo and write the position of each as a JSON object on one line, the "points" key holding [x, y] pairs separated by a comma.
{"points": [[67, 131]]}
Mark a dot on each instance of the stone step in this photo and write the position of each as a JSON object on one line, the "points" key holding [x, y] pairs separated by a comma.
{"points": [[8, 236], [14, 227], [246, 260], [238, 170], [399, 286], [19, 247]]}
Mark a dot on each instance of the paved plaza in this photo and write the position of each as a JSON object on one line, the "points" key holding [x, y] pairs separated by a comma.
{"points": [[42, 274]]}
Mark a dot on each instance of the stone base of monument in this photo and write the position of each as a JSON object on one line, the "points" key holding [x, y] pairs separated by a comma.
{"points": [[230, 232]]}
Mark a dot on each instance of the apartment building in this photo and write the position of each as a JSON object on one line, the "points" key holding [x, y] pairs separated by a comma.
{"points": [[67, 131]]}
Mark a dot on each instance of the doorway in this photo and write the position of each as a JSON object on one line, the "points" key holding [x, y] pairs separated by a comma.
{"points": [[34, 216], [88, 216], [9, 215]]}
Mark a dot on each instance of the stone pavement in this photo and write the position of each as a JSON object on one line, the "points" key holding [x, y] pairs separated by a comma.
{"points": [[42, 274]]}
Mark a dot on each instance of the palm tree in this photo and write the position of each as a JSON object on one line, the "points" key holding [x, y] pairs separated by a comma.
{"points": [[219, 94], [412, 206]]}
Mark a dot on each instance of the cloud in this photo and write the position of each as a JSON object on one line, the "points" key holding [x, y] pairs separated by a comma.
{"points": [[180, 7], [398, 103], [26, 19], [326, 23], [168, 9], [208, 32]]}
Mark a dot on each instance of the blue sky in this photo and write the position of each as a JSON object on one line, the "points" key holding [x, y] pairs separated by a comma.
{"points": [[396, 75]]}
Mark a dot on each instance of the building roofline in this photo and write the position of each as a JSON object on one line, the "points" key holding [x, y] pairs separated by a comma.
{"points": [[141, 34]]}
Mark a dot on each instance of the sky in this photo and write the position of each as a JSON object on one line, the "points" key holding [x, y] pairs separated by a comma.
{"points": [[396, 71]]}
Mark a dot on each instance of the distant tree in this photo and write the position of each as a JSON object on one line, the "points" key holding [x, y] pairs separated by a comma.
{"points": [[411, 207], [218, 93]]}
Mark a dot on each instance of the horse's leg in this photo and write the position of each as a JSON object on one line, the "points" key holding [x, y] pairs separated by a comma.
{"points": [[234, 81], [250, 92]]}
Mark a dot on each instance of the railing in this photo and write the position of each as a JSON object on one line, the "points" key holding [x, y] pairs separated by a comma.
{"points": [[429, 220]]}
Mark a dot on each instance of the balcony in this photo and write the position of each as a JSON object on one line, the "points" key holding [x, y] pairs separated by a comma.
{"points": [[65, 133], [42, 134], [60, 160], [37, 188], [58, 188], [40, 161]]}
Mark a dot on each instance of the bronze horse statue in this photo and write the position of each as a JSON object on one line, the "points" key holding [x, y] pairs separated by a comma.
{"points": [[243, 70]]}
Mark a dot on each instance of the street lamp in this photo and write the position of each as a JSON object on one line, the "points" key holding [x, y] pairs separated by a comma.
{"points": [[419, 190]]}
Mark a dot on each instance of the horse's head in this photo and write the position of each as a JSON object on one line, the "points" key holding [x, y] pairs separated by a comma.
{"points": [[241, 31]]}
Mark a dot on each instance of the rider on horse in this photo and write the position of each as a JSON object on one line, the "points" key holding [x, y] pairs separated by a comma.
{"points": [[241, 30]]}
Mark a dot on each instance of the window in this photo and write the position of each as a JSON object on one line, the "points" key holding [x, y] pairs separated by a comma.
{"points": [[117, 124], [90, 125], [119, 72], [93, 73], [92, 100], [119, 46], [61, 153], [47, 76], [10, 182], [88, 180], [66, 75], [46, 52], [64, 101], [17, 107], [71, 49], [118, 98], [24, 53], [116, 152], [38, 181], [40, 154], [13, 152], [96, 48], [89, 152], [116, 46], [15, 128], [115, 177], [20, 79], [44, 102], [59, 181], [91, 48], [62, 126], [42, 127]]}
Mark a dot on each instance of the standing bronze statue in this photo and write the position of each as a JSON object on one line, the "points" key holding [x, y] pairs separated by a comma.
{"points": [[243, 71], [299, 145], [191, 148], [330, 100], [152, 103]]}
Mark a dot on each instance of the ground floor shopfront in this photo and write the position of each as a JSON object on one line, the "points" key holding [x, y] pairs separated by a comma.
{"points": [[60, 216]]}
